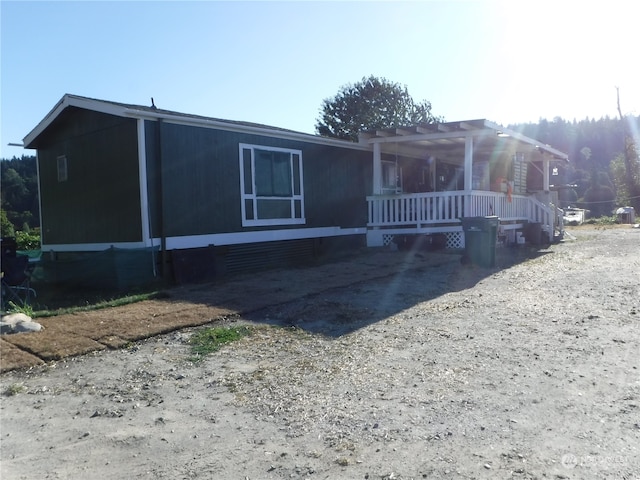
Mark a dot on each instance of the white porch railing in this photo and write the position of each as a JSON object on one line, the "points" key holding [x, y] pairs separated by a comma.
{"points": [[415, 209], [421, 210]]}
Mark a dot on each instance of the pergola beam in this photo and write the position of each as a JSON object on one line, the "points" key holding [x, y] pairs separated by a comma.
{"points": [[450, 131], [385, 138]]}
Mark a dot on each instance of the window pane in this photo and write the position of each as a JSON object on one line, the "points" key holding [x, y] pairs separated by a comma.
{"points": [[282, 175], [273, 174], [296, 174], [269, 209], [248, 209], [263, 173], [246, 167], [389, 175]]}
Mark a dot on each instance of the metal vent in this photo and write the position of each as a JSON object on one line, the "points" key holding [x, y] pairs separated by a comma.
{"points": [[261, 256]]}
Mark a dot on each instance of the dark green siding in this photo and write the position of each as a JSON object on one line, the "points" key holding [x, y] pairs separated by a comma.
{"points": [[201, 181], [100, 201], [336, 184]]}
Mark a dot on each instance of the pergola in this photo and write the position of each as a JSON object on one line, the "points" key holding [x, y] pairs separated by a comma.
{"points": [[459, 143]]}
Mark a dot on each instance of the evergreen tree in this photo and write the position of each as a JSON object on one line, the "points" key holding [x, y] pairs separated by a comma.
{"points": [[19, 187], [6, 226]]}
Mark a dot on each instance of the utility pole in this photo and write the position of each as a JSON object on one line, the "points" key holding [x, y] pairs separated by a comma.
{"points": [[630, 156]]}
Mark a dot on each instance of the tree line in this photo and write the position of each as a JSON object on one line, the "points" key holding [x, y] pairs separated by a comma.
{"points": [[20, 212], [597, 177]]}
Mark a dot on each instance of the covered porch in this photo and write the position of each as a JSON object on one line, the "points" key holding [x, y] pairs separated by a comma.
{"points": [[427, 177]]}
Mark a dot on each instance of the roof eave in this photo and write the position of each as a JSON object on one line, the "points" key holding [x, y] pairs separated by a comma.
{"points": [[130, 111], [69, 100], [543, 148], [239, 127]]}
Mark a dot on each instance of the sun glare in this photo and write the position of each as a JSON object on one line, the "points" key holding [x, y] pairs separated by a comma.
{"points": [[565, 59]]}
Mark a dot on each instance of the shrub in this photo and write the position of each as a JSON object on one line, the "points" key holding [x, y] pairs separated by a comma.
{"points": [[604, 220], [28, 240]]}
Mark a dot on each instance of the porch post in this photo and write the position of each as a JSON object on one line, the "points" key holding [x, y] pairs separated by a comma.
{"points": [[545, 173], [468, 164], [468, 177], [377, 169]]}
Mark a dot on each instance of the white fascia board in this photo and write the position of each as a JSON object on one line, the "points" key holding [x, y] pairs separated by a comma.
{"points": [[97, 105], [255, 130], [45, 122], [237, 238], [531, 141], [89, 247], [431, 136], [218, 239], [127, 111], [73, 101]]}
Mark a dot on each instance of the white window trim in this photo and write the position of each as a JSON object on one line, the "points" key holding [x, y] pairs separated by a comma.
{"points": [[254, 198]]}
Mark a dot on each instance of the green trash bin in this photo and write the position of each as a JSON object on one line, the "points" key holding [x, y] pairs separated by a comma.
{"points": [[480, 238]]}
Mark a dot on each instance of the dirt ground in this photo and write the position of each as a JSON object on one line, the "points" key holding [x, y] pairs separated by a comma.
{"points": [[399, 365]]}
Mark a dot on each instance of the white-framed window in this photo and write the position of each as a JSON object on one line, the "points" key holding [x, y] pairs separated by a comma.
{"points": [[62, 168], [391, 177], [271, 186], [519, 173]]}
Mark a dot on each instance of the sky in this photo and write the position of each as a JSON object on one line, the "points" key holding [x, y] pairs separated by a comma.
{"points": [[274, 63]]}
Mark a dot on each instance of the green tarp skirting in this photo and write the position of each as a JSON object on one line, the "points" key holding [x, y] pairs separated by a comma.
{"points": [[115, 268]]}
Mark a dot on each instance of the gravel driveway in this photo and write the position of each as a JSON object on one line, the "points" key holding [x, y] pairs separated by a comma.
{"points": [[526, 371]]}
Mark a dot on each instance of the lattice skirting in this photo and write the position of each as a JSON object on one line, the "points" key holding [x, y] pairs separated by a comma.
{"points": [[455, 240], [387, 239]]}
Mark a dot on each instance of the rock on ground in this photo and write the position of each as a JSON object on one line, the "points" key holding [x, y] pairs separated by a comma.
{"points": [[18, 323]]}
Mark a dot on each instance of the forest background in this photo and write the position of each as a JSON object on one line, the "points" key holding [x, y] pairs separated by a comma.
{"points": [[595, 179]]}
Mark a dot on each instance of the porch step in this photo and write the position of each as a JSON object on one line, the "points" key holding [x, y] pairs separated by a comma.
{"points": [[535, 235]]}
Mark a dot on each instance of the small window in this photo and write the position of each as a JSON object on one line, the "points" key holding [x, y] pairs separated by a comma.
{"points": [[62, 168], [271, 186], [391, 178], [519, 174]]}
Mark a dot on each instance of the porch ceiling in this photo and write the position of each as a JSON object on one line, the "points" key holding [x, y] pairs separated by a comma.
{"points": [[446, 141]]}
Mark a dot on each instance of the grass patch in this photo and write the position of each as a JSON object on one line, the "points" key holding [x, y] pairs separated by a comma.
{"points": [[26, 309], [15, 389], [98, 304], [210, 340]]}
